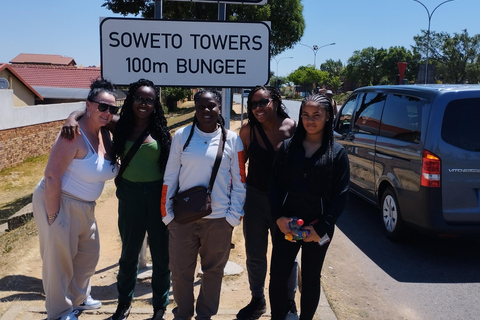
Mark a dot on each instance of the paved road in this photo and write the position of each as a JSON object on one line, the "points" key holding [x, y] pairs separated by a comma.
{"points": [[422, 278]]}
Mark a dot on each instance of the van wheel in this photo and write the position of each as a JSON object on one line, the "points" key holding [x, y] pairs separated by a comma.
{"points": [[391, 216]]}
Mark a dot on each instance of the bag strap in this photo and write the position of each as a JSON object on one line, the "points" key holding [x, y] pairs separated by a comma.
{"points": [[265, 139], [132, 151], [218, 159]]}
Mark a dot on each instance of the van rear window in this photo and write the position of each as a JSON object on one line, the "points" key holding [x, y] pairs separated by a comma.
{"points": [[460, 125]]}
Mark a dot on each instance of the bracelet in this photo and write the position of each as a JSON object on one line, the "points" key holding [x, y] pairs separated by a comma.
{"points": [[52, 216]]}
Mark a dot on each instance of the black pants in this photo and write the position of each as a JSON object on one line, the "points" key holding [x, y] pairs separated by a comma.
{"points": [[283, 257]]}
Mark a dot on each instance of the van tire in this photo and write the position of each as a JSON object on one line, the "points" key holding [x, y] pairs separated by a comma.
{"points": [[391, 216]]}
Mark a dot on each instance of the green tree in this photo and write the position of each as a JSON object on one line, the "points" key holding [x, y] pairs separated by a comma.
{"points": [[287, 23], [307, 76], [455, 57], [372, 66], [333, 67], [334, 83], [390, 62], [364, 67], [171, 95]]}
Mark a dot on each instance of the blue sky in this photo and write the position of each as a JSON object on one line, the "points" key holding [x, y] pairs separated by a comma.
{"points": [[71, 28]]}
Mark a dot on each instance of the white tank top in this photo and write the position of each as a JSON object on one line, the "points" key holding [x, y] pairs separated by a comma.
{"points": [[85, 178]]}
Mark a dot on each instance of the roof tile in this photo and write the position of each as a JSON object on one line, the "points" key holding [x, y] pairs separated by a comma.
{"points": [[56, 76], [48, 59]]}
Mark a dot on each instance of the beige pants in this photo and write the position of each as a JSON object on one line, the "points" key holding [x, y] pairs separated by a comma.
{"points": [[70, 250]]}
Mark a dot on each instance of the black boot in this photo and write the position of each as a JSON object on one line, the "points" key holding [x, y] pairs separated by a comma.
{"points": [[158, 314], [122, 312], [253, 310]]}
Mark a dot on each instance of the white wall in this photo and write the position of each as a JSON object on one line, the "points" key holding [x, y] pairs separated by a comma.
{"points": [[13, 117]]}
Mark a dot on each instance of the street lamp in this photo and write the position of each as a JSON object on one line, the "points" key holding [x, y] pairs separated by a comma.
{"points": [[276, 74], [315, 49], [428, 32]]}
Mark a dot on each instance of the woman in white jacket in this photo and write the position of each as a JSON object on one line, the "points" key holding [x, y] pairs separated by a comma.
{"points": [[210, 236]]}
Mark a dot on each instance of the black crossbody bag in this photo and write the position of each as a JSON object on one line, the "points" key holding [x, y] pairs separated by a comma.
{"points": [[196, 202]]}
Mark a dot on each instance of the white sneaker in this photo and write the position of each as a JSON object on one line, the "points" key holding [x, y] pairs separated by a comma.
{"points": [[71, 316], [89, 304]]}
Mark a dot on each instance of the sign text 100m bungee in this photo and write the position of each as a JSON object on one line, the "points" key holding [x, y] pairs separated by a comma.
{"points": [[185, 53]]}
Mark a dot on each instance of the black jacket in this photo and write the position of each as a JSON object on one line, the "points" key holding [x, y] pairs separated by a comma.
{"points": [[299, 187]]}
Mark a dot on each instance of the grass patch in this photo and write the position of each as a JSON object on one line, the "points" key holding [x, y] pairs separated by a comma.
{"points": [[18, 183]]}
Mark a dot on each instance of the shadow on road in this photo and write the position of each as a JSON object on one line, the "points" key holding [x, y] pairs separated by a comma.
{"points": [[418, 258]]}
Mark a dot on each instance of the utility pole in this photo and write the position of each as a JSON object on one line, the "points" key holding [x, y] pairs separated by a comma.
{"points": [[428, 32], [276, 73]]}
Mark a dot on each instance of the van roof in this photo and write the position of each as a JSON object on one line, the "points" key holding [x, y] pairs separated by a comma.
{"points": [[432, 88]]}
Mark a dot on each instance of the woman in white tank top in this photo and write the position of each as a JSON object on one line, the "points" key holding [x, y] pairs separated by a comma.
{"points": [[63, 207]]}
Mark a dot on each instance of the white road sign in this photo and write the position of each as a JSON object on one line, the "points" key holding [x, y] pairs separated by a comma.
{"points": [[185, 53], [257, 2]]}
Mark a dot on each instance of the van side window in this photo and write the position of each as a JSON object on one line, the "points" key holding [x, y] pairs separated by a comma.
{"points": [[460, 125], [345, 115], [402, 118], [367, 117]]}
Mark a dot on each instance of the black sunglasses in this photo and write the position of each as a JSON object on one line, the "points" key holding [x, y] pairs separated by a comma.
{"points": [[102, 107], [146, 101], [262, 103]]}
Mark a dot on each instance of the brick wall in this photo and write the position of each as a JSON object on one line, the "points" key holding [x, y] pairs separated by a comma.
{"points": [[18, 144]]}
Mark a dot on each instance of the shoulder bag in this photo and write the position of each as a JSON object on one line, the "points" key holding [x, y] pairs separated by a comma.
{"points": [[196, 202]]}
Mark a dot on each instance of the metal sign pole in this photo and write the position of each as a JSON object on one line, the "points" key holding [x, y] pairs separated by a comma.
{"points": [[226, 92]]}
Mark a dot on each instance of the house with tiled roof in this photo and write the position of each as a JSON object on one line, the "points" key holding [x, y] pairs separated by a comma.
{"points": [[55, 77], [57, 83], [43, 59], [23, 94]]}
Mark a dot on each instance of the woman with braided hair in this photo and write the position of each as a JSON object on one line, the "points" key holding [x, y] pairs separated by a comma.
{"points": [[309, 181], [138, 190], [268, 125], [190, 164]]}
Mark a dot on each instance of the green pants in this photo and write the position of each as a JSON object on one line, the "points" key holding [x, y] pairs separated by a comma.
{"points": [[139, 213]]}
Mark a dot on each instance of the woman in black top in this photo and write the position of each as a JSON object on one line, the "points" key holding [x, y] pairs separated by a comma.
{"points": [[268, 125], [309, 181]]}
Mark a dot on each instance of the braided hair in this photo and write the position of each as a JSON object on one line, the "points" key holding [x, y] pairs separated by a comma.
{"points": [[276, 97], [157, 124], [221, 121]]}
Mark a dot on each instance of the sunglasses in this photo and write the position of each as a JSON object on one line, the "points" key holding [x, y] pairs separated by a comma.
{"points": [[262, 103], [102, 107], [146, 101]]}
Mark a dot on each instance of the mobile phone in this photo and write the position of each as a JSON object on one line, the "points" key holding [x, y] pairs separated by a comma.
{"points": [[324, 239]]}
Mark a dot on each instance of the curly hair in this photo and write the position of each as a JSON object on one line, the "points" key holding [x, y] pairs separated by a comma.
{"points": [[221, 121], [99, 86], [275, 95], [157, 124]]}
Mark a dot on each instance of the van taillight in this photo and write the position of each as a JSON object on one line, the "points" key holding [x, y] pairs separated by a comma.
{"points": [[431, 170]]}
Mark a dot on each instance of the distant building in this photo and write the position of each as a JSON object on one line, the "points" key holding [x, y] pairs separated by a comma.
{"points": [[43, 59], [54, 77], [23, 93]]}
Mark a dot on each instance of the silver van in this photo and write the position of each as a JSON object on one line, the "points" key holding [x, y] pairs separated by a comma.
{"points": [[414, 151]]}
